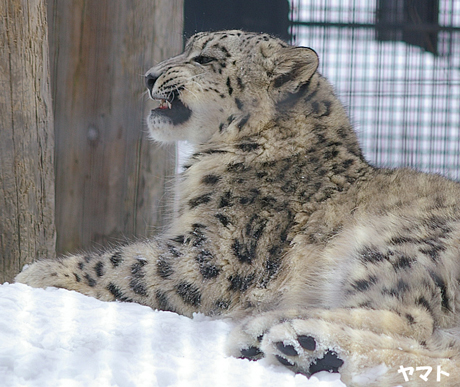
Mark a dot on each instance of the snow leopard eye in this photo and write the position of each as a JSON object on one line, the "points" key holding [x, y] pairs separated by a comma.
{"points": [[202, 59]]}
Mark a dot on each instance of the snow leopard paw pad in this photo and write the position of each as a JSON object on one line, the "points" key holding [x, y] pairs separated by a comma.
{"points": [[290, 357], [302, 345]]}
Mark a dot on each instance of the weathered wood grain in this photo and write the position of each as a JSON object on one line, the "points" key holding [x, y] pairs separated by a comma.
{"points": [[110, 179], [26, 137]]}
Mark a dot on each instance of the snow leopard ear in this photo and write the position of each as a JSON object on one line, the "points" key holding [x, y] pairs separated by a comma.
{"points": [[293, 67]]}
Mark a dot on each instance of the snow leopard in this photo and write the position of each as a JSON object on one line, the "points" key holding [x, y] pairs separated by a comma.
{"points": [[323, 261]]}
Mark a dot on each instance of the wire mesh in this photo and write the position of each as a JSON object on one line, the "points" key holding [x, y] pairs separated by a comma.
{"points": [[403, 99]]}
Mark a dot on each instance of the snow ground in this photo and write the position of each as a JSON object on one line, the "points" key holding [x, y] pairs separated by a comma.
{"points": [[58, 338]]}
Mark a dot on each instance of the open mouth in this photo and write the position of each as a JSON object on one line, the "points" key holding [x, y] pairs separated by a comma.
{"points": [[173, 108]]}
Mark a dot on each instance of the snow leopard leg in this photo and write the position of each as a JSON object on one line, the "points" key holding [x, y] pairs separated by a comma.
{"points": [[367, 347]]}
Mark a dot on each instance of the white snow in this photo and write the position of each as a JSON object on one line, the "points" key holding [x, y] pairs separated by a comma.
{"points": [[58, 338]]}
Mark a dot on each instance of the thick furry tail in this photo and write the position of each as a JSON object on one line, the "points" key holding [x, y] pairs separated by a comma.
{"points": [[114, 275]]}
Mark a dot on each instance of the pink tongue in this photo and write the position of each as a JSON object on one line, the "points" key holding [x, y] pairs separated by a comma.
{"points": [[163, 107]]}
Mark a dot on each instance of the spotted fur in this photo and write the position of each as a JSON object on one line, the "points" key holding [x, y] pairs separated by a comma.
{"points": [[326, 262]]}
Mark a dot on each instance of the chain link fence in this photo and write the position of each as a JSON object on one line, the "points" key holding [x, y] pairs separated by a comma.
{"points": [[395, 65]]}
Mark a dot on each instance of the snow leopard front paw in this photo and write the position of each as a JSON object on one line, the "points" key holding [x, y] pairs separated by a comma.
{"points": [[245, 340], [299, 344]]}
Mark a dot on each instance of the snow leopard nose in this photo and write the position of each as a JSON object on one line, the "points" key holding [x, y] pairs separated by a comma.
{"points": [[150, 80]]}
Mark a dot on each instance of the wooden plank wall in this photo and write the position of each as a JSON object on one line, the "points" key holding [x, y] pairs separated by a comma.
{"points": [[26, 137], [110, 179]]}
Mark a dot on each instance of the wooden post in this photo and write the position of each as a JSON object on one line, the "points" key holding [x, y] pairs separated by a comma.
{"points": [[26, 137], [110, 179]]}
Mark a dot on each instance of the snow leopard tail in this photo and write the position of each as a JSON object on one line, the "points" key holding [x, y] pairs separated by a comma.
{"points": [[124, 274]]}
